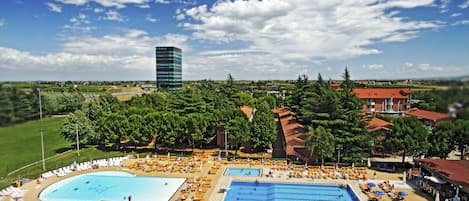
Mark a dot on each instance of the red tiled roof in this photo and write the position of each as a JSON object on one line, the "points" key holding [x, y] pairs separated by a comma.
{"points": [[429, 115], [379, 93], [246, 110], [376, 124], [335, 85], [293, 131], [455, 171]]}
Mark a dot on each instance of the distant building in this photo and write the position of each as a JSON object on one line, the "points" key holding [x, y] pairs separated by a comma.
{"points": [[379, 100], [292, 134], [378, 127], [429, 118], [168, 68]]}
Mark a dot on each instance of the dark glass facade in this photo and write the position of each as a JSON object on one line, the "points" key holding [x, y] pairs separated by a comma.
{"points": [[168, 68]]}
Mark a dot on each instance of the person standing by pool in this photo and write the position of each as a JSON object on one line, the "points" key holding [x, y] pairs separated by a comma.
{"points": [[129, 198]]}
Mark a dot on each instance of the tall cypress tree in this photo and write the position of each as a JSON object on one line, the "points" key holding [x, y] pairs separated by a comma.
{"points": [[6, 107], [264, 128], [23, 109]]}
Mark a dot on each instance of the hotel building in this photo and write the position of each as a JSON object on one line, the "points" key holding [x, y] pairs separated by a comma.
{"points": [[168, 68]]}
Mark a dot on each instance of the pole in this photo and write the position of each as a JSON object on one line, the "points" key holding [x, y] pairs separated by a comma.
{"points": [[338, 154], [42, 135], [226, 145], [78, 141]]}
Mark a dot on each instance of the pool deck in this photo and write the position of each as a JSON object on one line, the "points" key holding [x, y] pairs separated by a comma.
{"points": [[215, 180]]}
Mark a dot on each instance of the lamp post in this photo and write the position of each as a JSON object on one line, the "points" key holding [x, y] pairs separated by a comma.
{"points": [[338, 153], [226, 144], [42, 136], [78, 141]]}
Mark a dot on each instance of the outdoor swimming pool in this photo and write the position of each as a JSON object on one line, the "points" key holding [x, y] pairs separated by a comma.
{"points": [[240, 191], [112, 186], [252, 172]]}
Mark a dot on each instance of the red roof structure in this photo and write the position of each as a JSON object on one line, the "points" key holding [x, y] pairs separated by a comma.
{"points": [[380, 93], [248, 111], [454, 171], [428, 115], [376, 124], [293, 131]]}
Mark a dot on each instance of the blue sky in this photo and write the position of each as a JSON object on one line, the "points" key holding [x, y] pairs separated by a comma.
{"points": [[252, 40]]}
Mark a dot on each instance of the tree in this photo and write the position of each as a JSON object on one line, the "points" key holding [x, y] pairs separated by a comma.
{"points": [[23, 109], [264, 128], [320, 143], [238, 131], [440, 140], [172, 129], [196, 125], [77, 121], [409, 136], [243, 98], [138, 131], [6, 107], [461, 136], [154, 120], [113, 127]]}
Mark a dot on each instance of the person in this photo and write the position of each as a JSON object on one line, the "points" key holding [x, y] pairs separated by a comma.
{"points": [[374, 175], [129, 198]]}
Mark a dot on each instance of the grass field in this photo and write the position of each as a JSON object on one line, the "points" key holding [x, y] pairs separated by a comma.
{"points": [[20, 144], [62, 160]]}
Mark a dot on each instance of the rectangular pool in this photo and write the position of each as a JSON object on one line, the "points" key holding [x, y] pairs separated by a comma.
{"points": [[253, 191], [112, 186], [250, 172]]}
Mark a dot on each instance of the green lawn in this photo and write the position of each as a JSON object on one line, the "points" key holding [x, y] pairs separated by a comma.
{"points": [[62, 160], [20, 144]]}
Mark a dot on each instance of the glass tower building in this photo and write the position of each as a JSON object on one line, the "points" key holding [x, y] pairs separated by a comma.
{"points": [[168, 68]]}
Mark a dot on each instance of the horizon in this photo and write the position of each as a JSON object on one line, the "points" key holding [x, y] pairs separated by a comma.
{"points": [[114, 40]]}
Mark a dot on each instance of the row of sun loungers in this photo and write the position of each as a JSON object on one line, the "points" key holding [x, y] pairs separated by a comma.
{"points": [[195, 189], [116, 162], [12, 192]]}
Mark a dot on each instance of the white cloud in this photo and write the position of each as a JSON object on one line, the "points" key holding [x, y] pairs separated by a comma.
{"points": [[79, 23], [300, 30], [144, 6], [461, 22], [150, 18], [408, 64], [113, 16], [374, 66], [162, 1], [456, 14], [106, 3], [444, 6], [54, 7], [134, 49], [464, 5], [98, 10], [180, 16], [2, 22]]}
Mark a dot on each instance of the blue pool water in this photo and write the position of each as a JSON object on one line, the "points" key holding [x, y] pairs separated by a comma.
{"points": [[243, 191], [111, 186], [252, 172]]}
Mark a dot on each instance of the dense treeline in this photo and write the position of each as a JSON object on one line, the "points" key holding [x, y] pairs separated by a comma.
{"points": [[189, 118], [440, 100], [22, 104], [335, 114]]}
